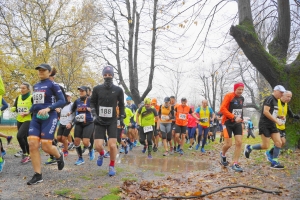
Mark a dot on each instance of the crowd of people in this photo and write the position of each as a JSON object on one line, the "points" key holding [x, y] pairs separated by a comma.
{"points": [[101, 118]]}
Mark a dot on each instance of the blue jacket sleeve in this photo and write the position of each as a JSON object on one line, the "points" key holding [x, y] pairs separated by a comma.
{"points": [[4, 105]]}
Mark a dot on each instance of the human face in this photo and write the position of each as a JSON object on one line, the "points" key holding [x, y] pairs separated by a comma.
{"points": [[107, 76], [167, 104], [277, 94], [128, 102], [239, 91], [286, 97], [147, 105], [82, 93], [43, 73], [24, 89], [172, 101], [183, 103], [204, 103]]}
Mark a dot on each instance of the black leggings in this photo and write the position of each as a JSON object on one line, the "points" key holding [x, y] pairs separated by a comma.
{"points": [[147, 135], [22, 135]]}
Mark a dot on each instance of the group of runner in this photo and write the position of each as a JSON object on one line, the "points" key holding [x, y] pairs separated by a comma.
{"points": [[100, 116]]}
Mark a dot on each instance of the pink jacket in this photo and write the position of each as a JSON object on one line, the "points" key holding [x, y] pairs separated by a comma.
{"points": [[192, 122]]}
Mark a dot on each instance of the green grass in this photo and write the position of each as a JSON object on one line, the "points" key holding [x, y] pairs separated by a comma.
{"points": [[64, 191], [119, 169], [115, 190], [106, 185], [111, 197], [86, 178], [129, 179], [158, 174]]}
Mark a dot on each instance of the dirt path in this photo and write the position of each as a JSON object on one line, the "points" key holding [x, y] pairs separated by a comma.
{"points": [[187, 175]]}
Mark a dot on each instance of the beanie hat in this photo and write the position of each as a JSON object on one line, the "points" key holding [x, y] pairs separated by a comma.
{"points": [[108, 70], [240, 84]]}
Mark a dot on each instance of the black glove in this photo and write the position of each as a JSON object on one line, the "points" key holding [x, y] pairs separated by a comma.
{"points": [[122, 121]]}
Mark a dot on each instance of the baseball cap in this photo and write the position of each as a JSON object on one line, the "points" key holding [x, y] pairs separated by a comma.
{"points": [[44, 66], [154, 100], [279, 88], [82, 88], [108, 70], [166, 99]]}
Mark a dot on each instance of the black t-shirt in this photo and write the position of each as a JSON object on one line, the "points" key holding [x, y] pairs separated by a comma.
{"points": [[104, 102], [271, 102]]}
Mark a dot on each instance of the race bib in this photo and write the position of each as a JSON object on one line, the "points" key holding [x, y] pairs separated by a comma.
{"points": [[38, 97], [282, 120], [80, 117], [203, 120], [182, 116], [148, 129], [237, 112], [63, 117], [165, 117], [275, 113], [22, 109], [105, 111]]}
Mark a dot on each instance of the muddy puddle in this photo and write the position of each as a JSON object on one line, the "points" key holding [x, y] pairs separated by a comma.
{"points": [[166, 164]]}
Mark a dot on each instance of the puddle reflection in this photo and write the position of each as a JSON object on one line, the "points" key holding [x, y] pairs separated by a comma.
{"points": [[167, 164]]}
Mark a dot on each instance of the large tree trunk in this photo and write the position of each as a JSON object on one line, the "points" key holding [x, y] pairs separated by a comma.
{"points": [[271, 65]]}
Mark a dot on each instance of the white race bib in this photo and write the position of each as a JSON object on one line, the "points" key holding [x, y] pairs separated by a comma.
{"points": [[282, 120], [148, 129], [22, 109], [105, 111], [38, 97], [275, 113], [237, 112], [165, 117], [63, 117], [80, 117], [182, 116]]}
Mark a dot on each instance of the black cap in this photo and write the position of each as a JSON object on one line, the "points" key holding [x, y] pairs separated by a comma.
{"points": [[108, 70], [82, 88], [183, 99], [44, 66], [167, 99]]}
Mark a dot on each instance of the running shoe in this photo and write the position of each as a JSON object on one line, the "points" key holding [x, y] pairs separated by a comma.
{"points": [[126, 149], [237, 168], [100, 160], [2, 165], [3, 153], [276, 165], [178, 149], [155, 149], [61, 161], [106, 155], [203, 150], [9, 138], [166, 153], [138, 144], [66, 153], [122, 150], [197, 147], [190, 148], [223, 160], [37, 178], [19, 154], [92, 154], [187, 141], [268, 156], [80, 161], [25, 160], [144, 149], [71, 146], [149, 156], [180, 152], [111, 171], [247, 150], [171, 150], [135, 143], [50, 161]]}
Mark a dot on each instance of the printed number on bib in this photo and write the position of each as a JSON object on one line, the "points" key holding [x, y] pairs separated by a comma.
{"points": [[182, 116], [22, 109], [38, 97], [148, 129], [237, 112], [165, 117], [105, 111], [203, 120], [282, 120], [80, 117], [63, 117]]}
